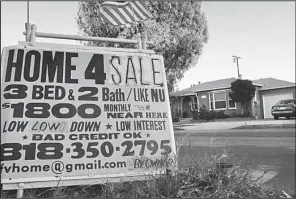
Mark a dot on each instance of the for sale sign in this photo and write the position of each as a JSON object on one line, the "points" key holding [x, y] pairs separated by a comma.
{"points": [[72, 116]]}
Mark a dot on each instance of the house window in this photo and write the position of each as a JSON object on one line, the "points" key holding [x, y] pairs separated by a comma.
{"points": [[231, 103], [218, 101]]}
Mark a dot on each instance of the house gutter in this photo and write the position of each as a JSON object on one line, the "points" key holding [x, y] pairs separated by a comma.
{"points": [[197, 101]]}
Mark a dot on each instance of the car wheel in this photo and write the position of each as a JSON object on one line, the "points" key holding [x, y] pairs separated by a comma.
{"points": [[276, 117], [288, 117]]}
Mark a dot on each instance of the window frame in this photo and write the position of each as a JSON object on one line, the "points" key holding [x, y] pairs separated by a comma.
{"points": [[229, 104], [210, 107], [214, 101], [218, 109], [226, 100]]}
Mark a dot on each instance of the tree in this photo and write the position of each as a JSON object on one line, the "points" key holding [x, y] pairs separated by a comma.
{"points": [[178, 31], [243, 91]]}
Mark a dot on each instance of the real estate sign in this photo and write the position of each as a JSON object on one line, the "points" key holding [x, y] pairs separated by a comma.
{"points": [[71, 116]]}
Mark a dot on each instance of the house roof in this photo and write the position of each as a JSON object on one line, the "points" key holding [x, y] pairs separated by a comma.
{"points": [[265, 84], [206, 86], [272, 83]]}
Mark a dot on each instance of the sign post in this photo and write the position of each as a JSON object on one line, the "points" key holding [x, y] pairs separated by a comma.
{"points": [[73, 116]]}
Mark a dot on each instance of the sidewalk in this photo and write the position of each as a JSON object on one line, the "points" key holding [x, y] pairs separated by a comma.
{"points": [[236, 124]]}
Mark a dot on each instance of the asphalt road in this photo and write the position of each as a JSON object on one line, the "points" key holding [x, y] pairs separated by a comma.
{"points": [[272, 149]]}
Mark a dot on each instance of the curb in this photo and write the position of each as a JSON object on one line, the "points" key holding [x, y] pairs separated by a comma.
{"points": [[266, 126]]}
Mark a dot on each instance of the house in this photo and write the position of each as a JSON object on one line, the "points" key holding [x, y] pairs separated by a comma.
{"points": [[214, 96]]}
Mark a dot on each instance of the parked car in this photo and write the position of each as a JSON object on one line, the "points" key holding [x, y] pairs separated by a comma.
{"points": [[284, 108]]}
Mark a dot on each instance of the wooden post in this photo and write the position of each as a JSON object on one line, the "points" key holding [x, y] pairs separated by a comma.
{"points": [[20, 191]]}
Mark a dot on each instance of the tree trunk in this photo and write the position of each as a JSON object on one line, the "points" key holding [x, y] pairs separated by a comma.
{"points": [[243, 108]]}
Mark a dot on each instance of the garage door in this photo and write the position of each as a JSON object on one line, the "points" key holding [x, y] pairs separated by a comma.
{"points": [[271, 100]]}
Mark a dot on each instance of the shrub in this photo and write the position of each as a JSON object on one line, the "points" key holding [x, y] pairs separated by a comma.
{"points": [[203, 112], [239, 115], [175, 116], [221, 115], [211, 115], [176, 119]]}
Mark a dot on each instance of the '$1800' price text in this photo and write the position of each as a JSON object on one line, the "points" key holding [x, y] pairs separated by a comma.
{"points": [[49, 151]]}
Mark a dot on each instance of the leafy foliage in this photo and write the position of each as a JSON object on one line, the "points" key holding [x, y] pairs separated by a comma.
{"points": [[242, 90], [178, 31]]}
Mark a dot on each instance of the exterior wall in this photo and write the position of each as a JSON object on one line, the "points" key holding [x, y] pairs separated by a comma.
{"points": [[274, 91], [204, 101], [236, 111]]}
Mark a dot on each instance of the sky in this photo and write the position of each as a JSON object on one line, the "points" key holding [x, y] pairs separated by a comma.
{"points": [[261, 33]]}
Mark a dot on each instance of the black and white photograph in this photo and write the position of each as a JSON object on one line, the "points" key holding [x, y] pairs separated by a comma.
{"points": [[148, 99]]}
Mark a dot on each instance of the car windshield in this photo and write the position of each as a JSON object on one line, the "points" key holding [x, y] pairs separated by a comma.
{"points": [[286, 102]]}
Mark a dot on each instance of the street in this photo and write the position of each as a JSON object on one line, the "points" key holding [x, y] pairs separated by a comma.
{"points": [[272, 149]]}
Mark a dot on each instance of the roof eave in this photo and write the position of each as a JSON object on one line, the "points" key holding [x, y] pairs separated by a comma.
{"points": [[180, 95], [207, 90], [194, 92], [263, 89]]}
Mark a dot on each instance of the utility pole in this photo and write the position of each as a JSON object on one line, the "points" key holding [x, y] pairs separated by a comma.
{"points": [[235, 59]]}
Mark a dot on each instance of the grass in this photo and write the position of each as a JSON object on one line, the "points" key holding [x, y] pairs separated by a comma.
{"points": [[199, 176]]}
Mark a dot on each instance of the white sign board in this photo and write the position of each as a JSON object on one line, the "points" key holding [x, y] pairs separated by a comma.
{"points": [[73, 117]]}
